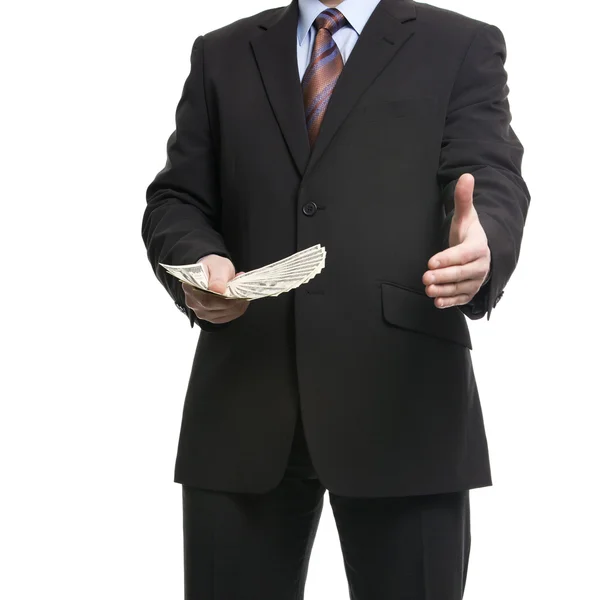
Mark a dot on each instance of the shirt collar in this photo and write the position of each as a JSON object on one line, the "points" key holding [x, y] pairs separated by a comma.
{"points": [[356, 11]]}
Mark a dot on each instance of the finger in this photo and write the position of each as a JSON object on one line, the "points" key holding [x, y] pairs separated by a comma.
{"points": [[196, 298], [452, 301], [220, 272], [213, 304], [192, 291], [221, 320], [216, 303], [214, 315], [467, 288], [223, 316], [231, 306], [458, 255], [188, 289], [463, 197], [191, 296], [206, 295], [457, 273]]}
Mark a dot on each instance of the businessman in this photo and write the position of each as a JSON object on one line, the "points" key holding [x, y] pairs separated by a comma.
{"points": [[381, 130]]}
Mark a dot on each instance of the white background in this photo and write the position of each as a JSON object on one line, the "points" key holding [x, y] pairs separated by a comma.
{"points": [[96, 359]]}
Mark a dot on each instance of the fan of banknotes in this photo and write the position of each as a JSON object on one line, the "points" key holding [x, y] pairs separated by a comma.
{"points": [[271, 280]]}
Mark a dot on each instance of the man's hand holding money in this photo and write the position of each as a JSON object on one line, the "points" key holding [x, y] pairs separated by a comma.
{"points": [[209, 307]]}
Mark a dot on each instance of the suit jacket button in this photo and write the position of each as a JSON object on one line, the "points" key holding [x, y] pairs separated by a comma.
{"points": [[309, 209], [498, 298]]}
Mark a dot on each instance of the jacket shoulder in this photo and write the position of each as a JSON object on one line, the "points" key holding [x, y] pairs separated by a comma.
{"points": [[442, 17], [243, 28], [449, 29], [448, 20]]}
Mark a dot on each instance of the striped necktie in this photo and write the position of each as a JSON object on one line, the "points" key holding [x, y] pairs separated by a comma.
{"points": [[324, 70]]}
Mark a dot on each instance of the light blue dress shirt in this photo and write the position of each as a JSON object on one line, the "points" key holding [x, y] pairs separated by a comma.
{"points": [[357, 12]]}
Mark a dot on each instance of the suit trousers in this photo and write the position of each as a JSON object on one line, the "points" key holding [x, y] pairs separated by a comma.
{"points": [[257, 546]]}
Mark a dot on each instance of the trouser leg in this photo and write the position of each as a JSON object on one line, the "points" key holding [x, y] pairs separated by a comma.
{"points": [[253, 546], [413, 548]]}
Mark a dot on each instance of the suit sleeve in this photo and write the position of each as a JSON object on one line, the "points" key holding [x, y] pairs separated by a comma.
{"points": [[180, 224], [479, 139]]}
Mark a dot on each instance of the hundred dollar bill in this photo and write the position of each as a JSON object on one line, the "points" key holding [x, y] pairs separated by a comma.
{"points": [[271, 280]]}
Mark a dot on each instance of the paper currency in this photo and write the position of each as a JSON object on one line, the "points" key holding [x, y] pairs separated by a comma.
{"points": [[271, 280]]}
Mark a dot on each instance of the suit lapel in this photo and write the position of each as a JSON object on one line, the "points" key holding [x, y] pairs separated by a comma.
{"points": [[275, 51], [386, 31]]}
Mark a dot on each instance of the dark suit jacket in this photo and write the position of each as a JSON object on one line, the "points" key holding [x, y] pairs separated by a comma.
{"points": [[384, 379]]}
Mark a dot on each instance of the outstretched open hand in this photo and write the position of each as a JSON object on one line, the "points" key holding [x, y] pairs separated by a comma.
{"points": [[456, 274]]}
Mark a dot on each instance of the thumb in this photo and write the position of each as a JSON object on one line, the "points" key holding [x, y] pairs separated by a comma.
{"points": [[220, 271], [463, 197]]}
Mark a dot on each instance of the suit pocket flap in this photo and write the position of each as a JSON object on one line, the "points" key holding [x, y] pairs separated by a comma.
{"points": [[416, 311]]}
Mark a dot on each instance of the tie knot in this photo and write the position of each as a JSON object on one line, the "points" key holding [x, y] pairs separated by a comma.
{"points": [[331, 19]]}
